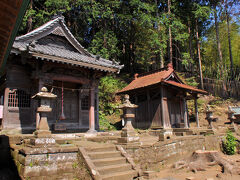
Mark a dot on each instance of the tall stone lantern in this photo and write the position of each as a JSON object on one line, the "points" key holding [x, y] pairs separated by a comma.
{"points": [[42, 133], [128, 134]]}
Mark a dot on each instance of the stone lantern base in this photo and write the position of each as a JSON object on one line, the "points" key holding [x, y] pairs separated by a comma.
{"points": [[128, 136], [165, 134]]}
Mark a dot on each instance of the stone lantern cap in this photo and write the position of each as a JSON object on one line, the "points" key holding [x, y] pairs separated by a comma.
{"points": [[127, 103], [44, 94]]}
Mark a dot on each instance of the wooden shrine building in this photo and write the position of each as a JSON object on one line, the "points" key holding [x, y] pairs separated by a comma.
{"points": [[161, 98], [50, 56]]}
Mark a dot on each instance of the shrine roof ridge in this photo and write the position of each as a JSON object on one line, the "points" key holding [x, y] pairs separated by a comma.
{"points": [[57, 27]]}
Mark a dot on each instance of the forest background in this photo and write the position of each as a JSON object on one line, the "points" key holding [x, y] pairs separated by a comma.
{"points": [[200, 37]]}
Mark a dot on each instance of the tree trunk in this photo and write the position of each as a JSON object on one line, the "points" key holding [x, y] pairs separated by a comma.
{"points": [[170, 32], [104, 35], [218, 42], [199, 57], [229, 44], [190, 44], [29, 21]]}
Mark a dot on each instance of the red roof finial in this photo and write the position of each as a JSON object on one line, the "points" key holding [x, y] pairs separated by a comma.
{"points": [[170, 66], [136, 76]]}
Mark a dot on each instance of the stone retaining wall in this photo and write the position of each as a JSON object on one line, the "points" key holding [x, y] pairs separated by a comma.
{"points": [[45, 163], [169, 151]]}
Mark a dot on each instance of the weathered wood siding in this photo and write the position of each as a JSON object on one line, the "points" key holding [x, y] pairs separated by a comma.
{"points": [[152, 114], [20, 77], [18, 117]]}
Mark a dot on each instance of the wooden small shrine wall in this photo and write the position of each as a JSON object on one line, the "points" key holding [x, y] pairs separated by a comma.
{"points": [[173, 107], [18, 105], [150, 111]]}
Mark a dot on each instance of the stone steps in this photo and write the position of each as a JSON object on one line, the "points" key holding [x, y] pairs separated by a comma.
{"points": [[100, 155], [101, 149], [114, 168], [120, 175], [109, 163]]}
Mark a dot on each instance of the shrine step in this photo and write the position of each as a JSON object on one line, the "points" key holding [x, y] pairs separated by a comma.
{"points": [[126, 175], [114, 168], [101, 149], [109, 163], [107, 154]]}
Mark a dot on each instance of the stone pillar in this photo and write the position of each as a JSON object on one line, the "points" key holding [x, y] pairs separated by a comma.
{"points": [[91, 111], [128, 134], [196, 111]]}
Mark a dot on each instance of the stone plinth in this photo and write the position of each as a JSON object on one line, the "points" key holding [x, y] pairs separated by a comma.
{"points": [[40, 142], [128, 134], [45, 163], [165, 134]]}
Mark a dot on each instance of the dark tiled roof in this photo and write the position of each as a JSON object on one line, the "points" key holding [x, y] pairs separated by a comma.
{"points": [[162, 76], [79, 57]]}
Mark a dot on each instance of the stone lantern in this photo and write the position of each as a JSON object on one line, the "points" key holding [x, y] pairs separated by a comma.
{"points": [[209, 116], [42, 133], [128, 134]]}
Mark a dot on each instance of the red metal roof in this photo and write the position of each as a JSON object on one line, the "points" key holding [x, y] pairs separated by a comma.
{"points": [[153, 78], [141, 81], [185, 86]]}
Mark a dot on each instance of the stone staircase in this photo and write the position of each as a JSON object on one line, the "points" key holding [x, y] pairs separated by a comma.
{"points": [[109, 163]]}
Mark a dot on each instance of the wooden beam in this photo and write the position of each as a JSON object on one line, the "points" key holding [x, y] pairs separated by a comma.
{"points": [[66, 78], [196, 112]]}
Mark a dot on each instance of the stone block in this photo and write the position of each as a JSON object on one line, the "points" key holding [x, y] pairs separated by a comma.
{"points": [[42, 141], [65, 167], [165, 134], [149, 174], [190, 178], [128, 139]]}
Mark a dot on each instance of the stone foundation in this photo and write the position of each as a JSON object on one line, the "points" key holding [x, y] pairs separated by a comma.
{"points": [[169, 151], [45, 163]]}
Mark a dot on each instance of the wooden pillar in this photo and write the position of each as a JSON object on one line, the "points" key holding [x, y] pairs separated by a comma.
{"points": [[40, 85], [91, 110], [185, 117], [148, 106], [97, 110], [79, 109], [196, 111], [5, 109], [162, 106]]}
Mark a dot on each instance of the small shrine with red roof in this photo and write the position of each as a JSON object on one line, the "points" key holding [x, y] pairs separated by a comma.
{"points": [[161, 97]]}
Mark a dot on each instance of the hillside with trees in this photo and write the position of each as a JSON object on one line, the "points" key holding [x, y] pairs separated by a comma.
{"points": [[200, 37]]}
